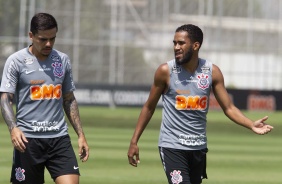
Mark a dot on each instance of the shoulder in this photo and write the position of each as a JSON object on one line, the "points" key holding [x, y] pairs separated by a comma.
{"points": [[19, 54], [163, 69], [169, 66], [18, 58], [162, 73], [216, 74], [215, 69]]}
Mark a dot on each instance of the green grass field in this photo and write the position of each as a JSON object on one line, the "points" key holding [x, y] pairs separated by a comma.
{"points": [[236, 155]]}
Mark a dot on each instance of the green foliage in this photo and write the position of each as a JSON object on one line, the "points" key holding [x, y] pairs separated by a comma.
{"points": [[236, 155]]}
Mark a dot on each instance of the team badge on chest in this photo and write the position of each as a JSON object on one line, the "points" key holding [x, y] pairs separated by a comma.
{"points": [[58, 69], [203, 82]]}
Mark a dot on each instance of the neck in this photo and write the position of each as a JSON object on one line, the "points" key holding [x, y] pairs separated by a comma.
{"points": [[39, 56], [192, 65]]}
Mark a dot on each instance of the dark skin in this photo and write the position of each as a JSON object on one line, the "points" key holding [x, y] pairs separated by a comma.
{"points": [[182, 48]]}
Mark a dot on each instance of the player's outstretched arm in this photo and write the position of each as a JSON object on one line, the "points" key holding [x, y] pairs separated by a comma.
{"points": [[232, 112], [72, 112]]}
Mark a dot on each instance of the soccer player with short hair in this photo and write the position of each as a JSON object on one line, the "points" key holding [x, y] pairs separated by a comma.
{"points": [[185, 84], [39, 79]]}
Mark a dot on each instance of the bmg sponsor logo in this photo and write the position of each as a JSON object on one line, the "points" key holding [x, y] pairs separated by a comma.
{"points": [[46, 92], [191, 102]]}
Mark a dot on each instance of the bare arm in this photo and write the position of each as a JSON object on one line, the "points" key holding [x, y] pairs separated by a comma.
{"points": [[72, 112], [7, 110], [158, 87], [232, 112], [17, 136]]}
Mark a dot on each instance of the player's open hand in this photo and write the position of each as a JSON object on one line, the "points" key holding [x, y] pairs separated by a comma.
{"points": [[18, 139], [260, 127], [133, 155]]}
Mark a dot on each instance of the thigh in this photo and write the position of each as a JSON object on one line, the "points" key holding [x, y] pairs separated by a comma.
{"points": [[198, 166], [27, 168], [62, 159], [175, 165], [182, 166]]}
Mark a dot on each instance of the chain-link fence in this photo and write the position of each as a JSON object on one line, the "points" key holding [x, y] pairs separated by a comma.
{"points": [[123, 41]]}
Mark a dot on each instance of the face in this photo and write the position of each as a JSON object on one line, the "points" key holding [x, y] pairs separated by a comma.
{"points": [[43, 42], [183, 48]]}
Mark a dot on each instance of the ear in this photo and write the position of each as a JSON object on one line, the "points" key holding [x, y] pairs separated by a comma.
{"points": [[196, 46], [30, 36]]}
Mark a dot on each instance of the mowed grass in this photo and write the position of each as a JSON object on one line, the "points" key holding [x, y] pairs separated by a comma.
{"points": [[236, 155]]}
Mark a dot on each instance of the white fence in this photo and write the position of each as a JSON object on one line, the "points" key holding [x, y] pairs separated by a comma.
{"points": [[123, 41]]}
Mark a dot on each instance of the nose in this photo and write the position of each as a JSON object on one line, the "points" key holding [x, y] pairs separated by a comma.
{"points": [[176, 46], [48, 43]]}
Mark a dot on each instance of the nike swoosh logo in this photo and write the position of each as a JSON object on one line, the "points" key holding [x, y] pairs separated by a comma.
{"points": [[75, 168], [28, 72]]}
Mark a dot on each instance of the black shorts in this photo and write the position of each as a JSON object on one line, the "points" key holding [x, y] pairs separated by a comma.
{"points": [[184, 166], [56, 154]]}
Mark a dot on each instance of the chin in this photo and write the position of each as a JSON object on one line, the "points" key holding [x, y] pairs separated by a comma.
{"points": [[46, 53], [180, 61]]}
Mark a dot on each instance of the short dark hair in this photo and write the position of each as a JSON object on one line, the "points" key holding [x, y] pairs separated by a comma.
{"points": [[195, 34], [42, 21]]}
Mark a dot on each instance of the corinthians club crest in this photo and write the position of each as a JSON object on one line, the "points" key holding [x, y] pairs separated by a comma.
{"points": [[203, 82], [176, 177], [58, 69], [20, 174]]}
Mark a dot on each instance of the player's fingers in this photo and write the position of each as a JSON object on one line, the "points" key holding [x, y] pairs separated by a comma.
{"points": [[85, 158], [24, 138], [269, 127], [137, 158], [260, 122], [131, 161], [80, 151], [22, 141], [264, 118], [134, 161], [16, 143], [19, 146], [266, 130], [85, 155]]}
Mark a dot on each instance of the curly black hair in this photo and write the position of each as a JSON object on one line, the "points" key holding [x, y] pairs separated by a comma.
{"points": [[195, 34]]}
